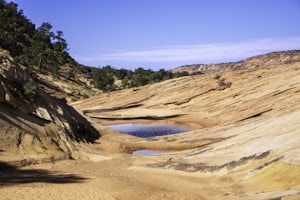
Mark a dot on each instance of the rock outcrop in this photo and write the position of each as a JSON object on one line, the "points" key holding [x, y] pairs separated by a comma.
{"points": [[35, 126]]}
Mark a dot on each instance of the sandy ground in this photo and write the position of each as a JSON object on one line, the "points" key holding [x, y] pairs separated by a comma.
{"points": [[103, 175], [120, 176], [115, 178]]}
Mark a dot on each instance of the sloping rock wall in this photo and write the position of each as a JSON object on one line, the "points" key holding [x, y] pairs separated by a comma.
{"points": [[33, 125]]}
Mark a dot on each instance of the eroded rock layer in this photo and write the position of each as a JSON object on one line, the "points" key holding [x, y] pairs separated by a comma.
{"points": [[33, 125]]}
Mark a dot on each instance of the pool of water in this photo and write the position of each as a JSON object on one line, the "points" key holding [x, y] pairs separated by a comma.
{"points": [[148, 130], [149, 152]]}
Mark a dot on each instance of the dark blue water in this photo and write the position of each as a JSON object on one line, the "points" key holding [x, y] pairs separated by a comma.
{"points": [[148, 130]]}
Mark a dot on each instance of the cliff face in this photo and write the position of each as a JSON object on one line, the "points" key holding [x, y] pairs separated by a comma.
{"points": [[33, 125]]}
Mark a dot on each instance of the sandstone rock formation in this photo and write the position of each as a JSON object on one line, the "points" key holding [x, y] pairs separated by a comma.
{"points": [[245, 136], [243, 144], [33, 125]]}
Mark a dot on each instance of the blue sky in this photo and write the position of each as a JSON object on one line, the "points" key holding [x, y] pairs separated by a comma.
{"points": [[169, 33]]}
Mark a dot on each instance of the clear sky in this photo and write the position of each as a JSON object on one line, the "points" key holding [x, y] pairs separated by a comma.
{"points": [[169, 33]]}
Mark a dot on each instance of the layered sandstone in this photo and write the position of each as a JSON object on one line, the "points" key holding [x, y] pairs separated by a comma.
{"points": [[33, 125]]}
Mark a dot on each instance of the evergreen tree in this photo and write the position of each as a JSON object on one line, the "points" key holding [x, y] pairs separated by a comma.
{"points": [[40, 48]]}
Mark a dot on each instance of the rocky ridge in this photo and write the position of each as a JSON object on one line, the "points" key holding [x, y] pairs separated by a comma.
{"points": [[269, 59]]}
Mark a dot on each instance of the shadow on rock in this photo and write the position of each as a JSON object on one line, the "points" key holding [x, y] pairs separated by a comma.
{"points": [[11, 175]]}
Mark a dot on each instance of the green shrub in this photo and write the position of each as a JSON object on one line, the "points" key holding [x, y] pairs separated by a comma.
{"points": [[30, 94]]}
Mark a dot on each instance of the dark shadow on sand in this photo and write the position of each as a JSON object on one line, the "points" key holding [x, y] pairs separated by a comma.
{"points": [[11, 175]]}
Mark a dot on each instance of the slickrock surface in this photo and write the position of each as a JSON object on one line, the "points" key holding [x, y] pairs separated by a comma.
{"points": [[244, 143]]}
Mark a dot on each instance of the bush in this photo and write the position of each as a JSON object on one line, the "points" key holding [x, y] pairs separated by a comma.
{"points": [[223, 85], [29, 92], [197, 73]]}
